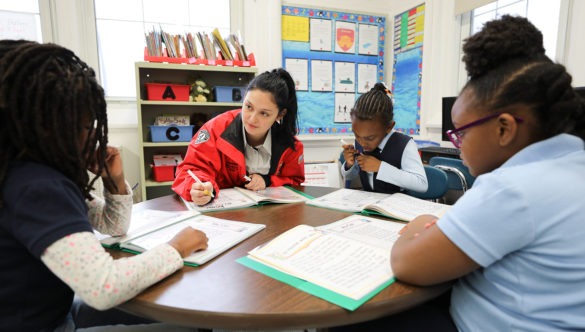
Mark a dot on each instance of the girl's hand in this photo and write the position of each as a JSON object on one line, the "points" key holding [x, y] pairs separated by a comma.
{"points": [[256, 184], [201, 193], [114, 182], [349, 153], [368, 163], [189, 240]]}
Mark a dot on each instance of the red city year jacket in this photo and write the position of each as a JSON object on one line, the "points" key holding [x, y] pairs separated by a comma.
{"points": [[216, 154]]}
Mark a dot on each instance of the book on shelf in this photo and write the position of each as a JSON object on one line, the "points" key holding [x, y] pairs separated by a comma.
{"points": [[237, 47], [190, 46], [236, 198], [207, 46], [346, 262], [398, 206], [150, 228], [221, 45], [154, 43], [172, 43]]}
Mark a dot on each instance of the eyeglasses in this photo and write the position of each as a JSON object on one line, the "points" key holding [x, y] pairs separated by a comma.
{"points": [[456, 134]]}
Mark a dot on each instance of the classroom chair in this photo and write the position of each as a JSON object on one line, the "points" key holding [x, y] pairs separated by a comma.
{"points": [[437, 180], [341, 159], [459, 176]]}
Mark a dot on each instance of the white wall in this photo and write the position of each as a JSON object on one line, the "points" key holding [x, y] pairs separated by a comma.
{"points": [[260, 27], [574, 47]]}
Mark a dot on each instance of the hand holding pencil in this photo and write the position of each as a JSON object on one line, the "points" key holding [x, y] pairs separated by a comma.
{"points": [[349, 153], [201, 193]]}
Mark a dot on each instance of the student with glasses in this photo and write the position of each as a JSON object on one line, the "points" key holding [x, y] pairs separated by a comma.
{"points": [[514, 242]]}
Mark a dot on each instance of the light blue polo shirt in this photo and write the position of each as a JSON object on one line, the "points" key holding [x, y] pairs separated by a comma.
{"points": [[524, 223]]}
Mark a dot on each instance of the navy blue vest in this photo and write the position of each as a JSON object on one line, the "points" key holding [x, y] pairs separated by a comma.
{"points": [[392, 154]]}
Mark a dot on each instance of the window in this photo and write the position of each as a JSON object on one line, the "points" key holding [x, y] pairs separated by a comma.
{"points": [[544, 14], [122, 24], [20, 20]]}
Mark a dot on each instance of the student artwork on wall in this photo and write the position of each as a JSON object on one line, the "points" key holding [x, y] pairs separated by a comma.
{"points": [[407, 70], [333, 57], [343, 104], [298, 69]]}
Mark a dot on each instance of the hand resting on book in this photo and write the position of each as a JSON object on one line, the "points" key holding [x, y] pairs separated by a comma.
{"points": [[189, 240]]}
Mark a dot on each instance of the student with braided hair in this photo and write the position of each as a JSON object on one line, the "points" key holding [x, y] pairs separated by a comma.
{"points": [[515, 240], [385, 160], [52, 118]]}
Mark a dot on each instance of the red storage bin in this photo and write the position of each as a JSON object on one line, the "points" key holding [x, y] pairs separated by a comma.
{"points": [[167, 92], [164, 167]]}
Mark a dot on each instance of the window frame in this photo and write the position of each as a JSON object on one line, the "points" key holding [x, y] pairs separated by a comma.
{"points": [[465, 24], [89, 30]]}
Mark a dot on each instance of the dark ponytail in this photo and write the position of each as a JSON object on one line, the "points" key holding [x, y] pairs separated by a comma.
{"points": [[281, 85]]}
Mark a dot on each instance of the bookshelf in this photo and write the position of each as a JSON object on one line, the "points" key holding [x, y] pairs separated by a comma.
{"points": [[148, 110]]}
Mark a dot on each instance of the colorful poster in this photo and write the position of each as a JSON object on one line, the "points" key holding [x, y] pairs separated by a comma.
{"points": [[407, 71], [295, 28], [338, 46], [345, 37]]}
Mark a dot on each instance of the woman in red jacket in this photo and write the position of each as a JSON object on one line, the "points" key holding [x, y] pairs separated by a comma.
{"points": [[254, 147]]}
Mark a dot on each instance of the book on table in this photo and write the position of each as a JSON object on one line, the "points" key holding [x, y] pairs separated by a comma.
{"points": [[346, 262], [235, 198], [149, 228], [398, 206]]}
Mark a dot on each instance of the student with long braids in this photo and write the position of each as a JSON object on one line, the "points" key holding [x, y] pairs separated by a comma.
{"points": [[385, 160], [254, 147], [515, 240], [52, 118]]}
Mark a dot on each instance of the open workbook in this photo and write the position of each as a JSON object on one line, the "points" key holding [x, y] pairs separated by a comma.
{"points": [[235, 198], [398, 206], [346, 262], [150, 228]]}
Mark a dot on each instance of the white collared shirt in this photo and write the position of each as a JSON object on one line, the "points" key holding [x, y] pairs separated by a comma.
{"points": [[258, 157]]}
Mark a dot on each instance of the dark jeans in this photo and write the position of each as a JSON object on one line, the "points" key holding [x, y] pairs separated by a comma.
{"points": [[430, 316]]}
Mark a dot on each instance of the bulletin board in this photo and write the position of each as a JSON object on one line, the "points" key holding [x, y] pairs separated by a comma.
{"points": [[333, 58], [407, 69]]}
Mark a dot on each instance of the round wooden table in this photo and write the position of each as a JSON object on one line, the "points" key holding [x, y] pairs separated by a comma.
{"points": [[225, 294]]}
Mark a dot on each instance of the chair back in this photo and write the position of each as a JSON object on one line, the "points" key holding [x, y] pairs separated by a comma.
{"points": [[437, 180], [459, 176]]}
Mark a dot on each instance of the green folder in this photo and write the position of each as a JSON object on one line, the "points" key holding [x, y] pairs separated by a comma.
{"points": [[311, 288]]}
